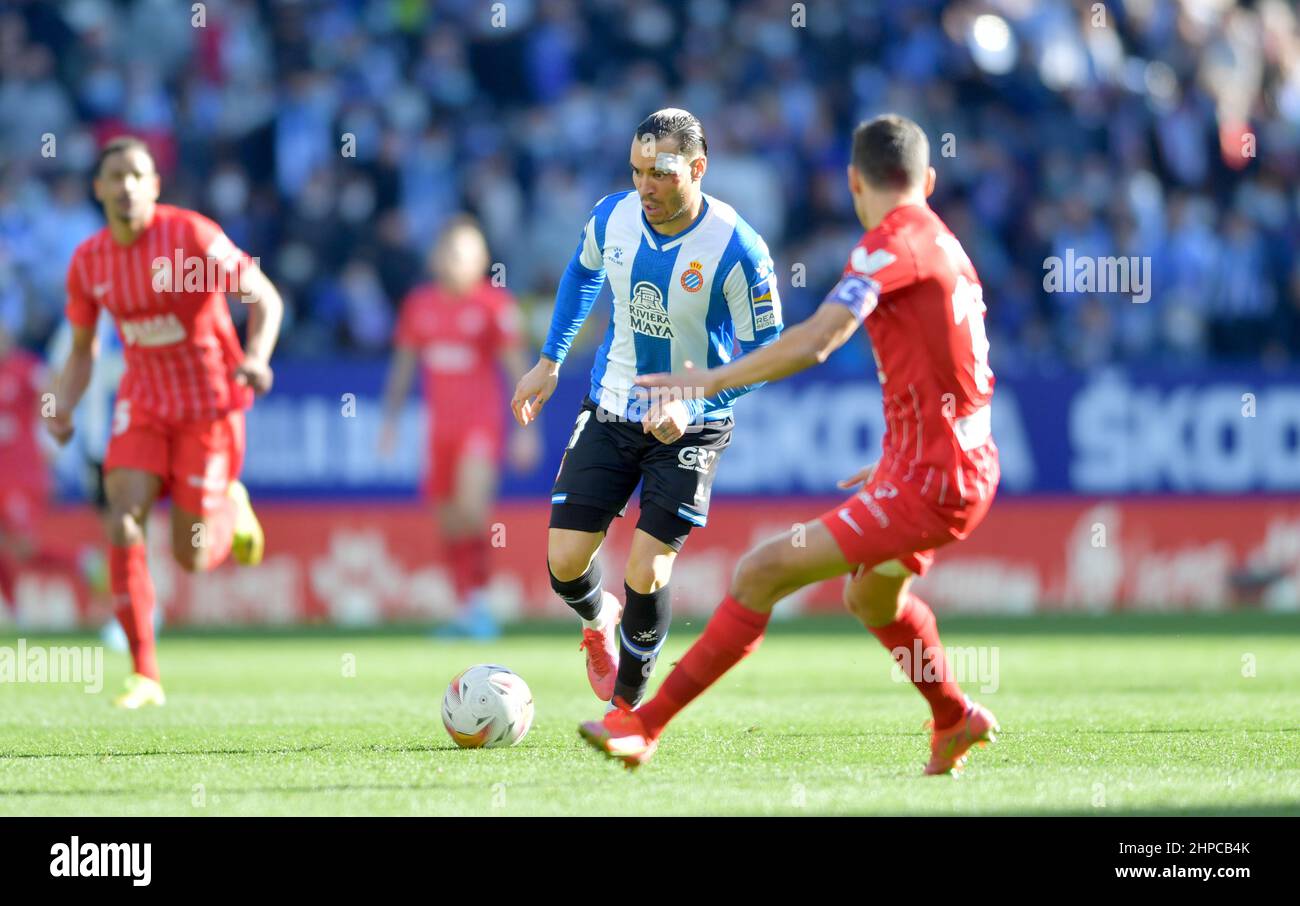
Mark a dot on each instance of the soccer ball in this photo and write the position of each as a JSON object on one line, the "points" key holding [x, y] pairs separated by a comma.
{"points": [[487, 706]]}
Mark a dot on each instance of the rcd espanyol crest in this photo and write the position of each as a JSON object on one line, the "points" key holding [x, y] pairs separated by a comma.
{"points": [[693, 277]]}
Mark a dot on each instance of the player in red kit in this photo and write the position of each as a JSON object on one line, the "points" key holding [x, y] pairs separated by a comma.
{"points": [[178, 425], [911, 284], [25, 477], [462, 331]]}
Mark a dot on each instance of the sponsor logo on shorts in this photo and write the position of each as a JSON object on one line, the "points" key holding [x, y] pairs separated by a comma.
{"points": [[875, 510], [848, 520], [216, 474], [696, 458]]}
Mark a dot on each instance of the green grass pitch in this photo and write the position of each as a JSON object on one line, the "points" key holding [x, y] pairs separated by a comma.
{"points": [[1100, 716]]}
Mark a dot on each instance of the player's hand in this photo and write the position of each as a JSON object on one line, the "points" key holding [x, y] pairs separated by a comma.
{"points": [[666, 420], [533, 390], [256, 374], [860, 477], [60, 427], [689, 383], [525, 450]]}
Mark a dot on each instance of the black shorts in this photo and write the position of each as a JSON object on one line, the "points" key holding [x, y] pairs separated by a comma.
{"points": [[607, 456]]}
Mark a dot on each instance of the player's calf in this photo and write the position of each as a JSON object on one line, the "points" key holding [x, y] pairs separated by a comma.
{"points": [[189, 558], [642, 633], [197, 544], [599, 611]]}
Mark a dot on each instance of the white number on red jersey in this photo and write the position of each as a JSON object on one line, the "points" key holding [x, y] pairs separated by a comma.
{"points": [[968, 305]]}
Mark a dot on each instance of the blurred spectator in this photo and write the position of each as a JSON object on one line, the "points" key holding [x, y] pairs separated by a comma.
{"points": [[336, 138]]}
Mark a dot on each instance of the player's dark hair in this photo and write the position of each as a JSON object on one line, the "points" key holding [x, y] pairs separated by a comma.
{"points": [[891, 152], [676, 124], [120, 143]]}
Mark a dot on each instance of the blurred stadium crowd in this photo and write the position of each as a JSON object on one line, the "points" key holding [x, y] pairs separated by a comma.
{"points": [[332, 140]]}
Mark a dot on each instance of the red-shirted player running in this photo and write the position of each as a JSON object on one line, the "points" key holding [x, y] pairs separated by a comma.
{"points": [[463, 330], [25, 478], [178, 426], [914, 288]]}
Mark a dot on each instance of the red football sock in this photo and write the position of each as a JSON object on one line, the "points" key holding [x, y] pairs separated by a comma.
{"points": [[128, 576], [733, 632], [9, 584], [916, 624], [468, 562]]}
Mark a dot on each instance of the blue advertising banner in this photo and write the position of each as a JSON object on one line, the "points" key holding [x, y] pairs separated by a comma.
{"points": [[1220, 432]]}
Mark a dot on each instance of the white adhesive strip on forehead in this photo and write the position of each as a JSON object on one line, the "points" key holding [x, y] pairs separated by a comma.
{"points": [[669, 163]]}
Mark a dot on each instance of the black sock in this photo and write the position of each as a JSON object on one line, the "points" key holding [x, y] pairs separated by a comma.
{"points": [[583, 593], [641, 635]]}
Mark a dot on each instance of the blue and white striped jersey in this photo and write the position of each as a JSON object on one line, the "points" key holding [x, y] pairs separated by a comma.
{"points": [[690, 297]]}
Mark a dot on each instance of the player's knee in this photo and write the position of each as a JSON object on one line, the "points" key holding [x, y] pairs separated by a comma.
{"points": [[855, 603], [875, 603], [646, 575], [568, 559], [758, 573]]}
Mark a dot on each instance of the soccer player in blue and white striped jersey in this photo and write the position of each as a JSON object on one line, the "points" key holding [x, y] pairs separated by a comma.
{"points": [[692, 282]]}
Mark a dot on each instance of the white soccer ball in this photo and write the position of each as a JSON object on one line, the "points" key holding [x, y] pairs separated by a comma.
{"points": [[486, 706]]}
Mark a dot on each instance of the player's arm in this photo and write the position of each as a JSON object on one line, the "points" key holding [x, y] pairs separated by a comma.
{"points": [[525, 448], [800, 347], [400, 376], [579, 287], [754, 301], [266, 311], [82, 312], [71, 384]]}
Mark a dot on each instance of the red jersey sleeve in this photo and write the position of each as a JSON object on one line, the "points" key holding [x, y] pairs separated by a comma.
{"points": [[82, 310], [879, 264], [208, 240], [885, 259]]}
